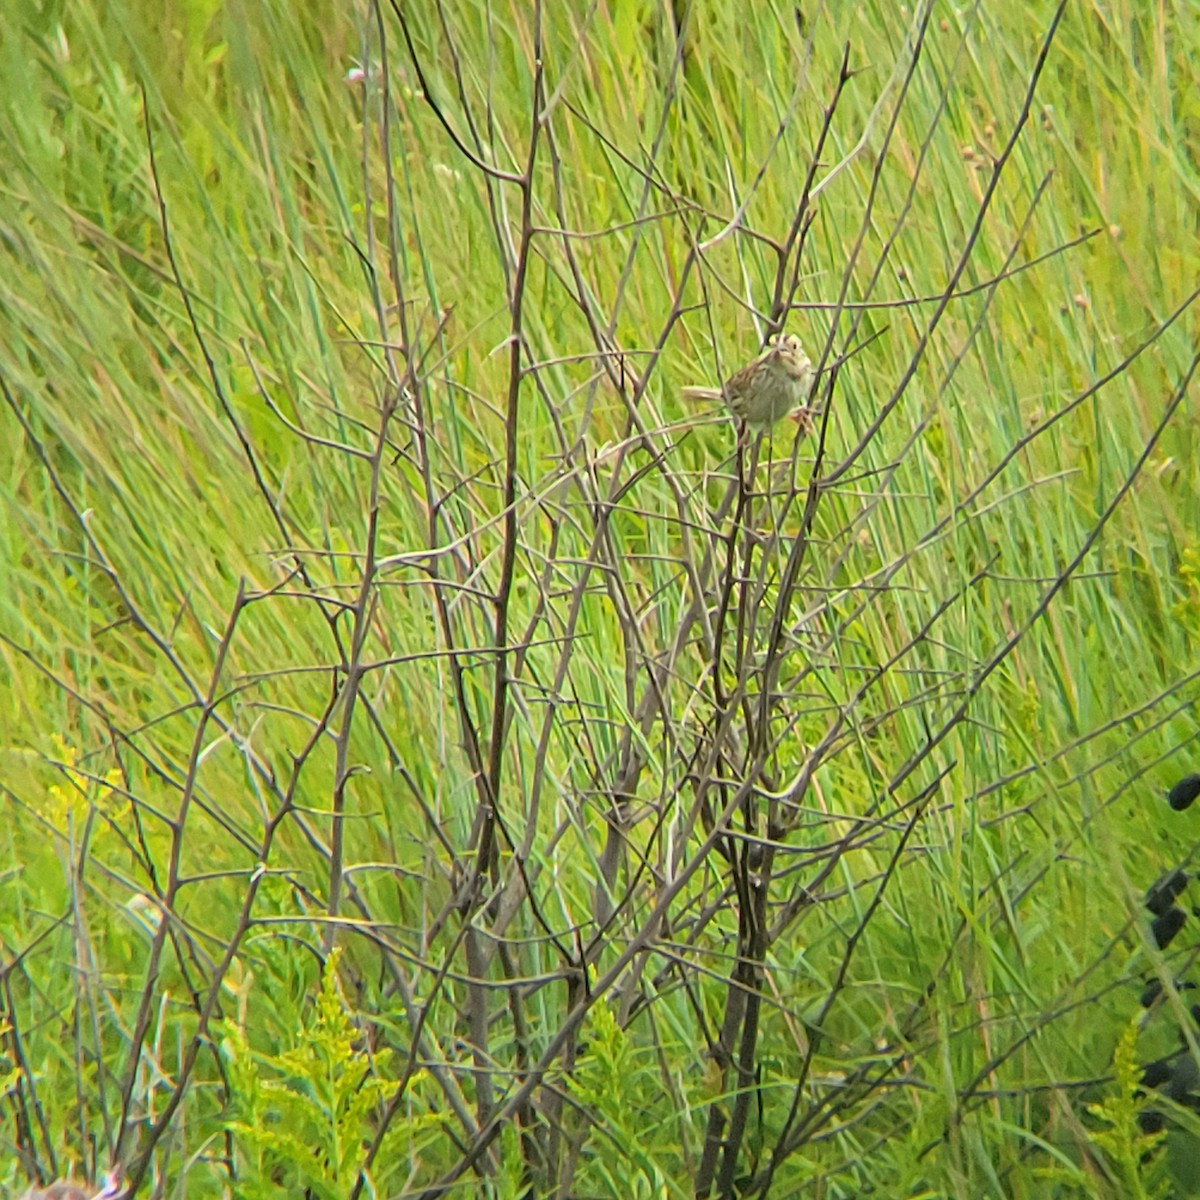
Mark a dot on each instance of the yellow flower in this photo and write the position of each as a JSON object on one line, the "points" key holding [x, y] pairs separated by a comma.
{"points": [[69, 802]]}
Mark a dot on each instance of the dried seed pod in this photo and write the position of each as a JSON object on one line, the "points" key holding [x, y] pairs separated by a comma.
{"points": [[1166, 926], [1184, 792], [1154, 988], [1163, 893]]}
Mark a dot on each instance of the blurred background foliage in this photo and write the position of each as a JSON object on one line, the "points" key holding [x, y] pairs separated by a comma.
{"points": [[200, 353]]}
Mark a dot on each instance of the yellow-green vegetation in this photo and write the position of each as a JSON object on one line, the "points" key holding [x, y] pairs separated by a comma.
{"points": [[434, 759]]}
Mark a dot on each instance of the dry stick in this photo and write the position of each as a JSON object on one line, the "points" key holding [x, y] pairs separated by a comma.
{"points": [[1040, 610], [792, 248], [174, 882], [354, 670], [746, 980], [488, 776], [333, 854], [888, 473], [639, 942], [1069, 571], [793, 243], [486, 857], [522, 883], [730, 1145], [521, 886], [735, 222], [698, 607], [960, 266], [837, 850], [445, 1081], [906, 207], [434, 504], [612, 843], [1111, 374], [952, 283], [26, 1087], [832, 747], [896, 565], [200, 1038], [261, 770]]}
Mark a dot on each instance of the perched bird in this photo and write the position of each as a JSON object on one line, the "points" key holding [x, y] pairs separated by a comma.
{"points": [[775, 385]]}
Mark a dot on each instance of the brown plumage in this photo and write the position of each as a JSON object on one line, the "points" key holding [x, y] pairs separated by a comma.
{"points": [[773, 386]]}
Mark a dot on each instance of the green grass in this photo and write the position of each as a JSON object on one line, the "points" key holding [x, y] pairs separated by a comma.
{"points": [[200, 359]]}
